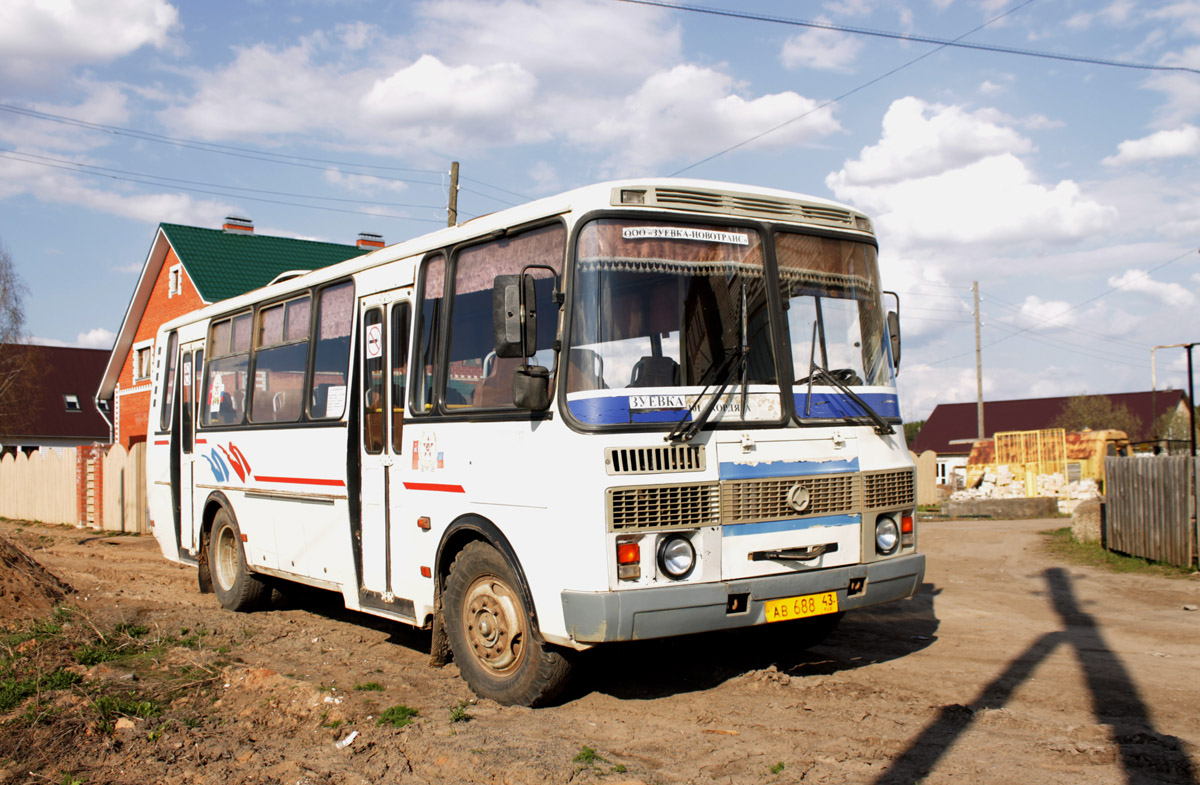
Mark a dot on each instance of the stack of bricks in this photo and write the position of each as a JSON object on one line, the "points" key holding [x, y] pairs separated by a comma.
{"points": [[89, 484]]}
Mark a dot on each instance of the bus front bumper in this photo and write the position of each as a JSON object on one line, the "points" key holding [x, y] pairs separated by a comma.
{"points": [[662, 611]]}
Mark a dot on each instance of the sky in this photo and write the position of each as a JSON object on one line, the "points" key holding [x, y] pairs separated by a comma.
{"points": [[1068, 189]]}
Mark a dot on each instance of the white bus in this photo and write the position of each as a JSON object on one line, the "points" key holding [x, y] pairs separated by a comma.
{"points": [[637, 409]]}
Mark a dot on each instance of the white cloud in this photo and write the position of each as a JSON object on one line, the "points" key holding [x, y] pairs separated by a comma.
{"points": [[1116, 13], [1182, 90], [362, 183], [96, 338], [429, 91], [691, 111], [921, 139], [104, 103], [1171, 294], [1184, 141], [600, 42], [822, 49], [992, 88], [922, 387], [1040, 314], [944, 175], [37, 35]]}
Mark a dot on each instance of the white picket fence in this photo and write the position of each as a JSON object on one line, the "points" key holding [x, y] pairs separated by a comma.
{"points": [[106, 490]]}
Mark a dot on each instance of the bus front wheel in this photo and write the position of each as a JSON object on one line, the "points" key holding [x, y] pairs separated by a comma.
{"points": [[236, 587], [498, 652]]}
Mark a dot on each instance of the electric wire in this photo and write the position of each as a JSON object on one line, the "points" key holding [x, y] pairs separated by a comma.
{"points": [[93, 168], [222, 193], [924, 39], [305, 162], [1075, 307], [844, 95]]}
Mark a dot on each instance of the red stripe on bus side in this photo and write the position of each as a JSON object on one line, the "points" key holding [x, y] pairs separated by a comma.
{"points": [[433, 486], [202, 441], [161, 442], [299, 480]]}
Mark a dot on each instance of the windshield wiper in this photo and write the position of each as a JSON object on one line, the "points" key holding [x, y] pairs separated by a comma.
{"points": [[815, 370], [685, 431]]}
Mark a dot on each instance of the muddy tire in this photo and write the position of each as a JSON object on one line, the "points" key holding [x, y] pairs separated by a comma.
{"points": [[499, 653], [236, 587]]}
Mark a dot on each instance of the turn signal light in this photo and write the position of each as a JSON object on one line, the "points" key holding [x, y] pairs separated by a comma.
{"points": [[423, 523], [906, 524], [629, 561]]}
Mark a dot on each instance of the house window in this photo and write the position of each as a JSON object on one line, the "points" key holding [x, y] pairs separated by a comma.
{"points": [[175, 280], [143, 358], [72, 402], [103, 405]]}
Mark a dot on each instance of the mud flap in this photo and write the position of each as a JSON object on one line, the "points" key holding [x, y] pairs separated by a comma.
{"points": [[439, 644], [203, 575]]}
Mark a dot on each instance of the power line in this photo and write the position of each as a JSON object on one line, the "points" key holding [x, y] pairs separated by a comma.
{"points": [[924, 39], [94, 169], [1019, 311], [248, 153], [1075, 307], [220, 193], [831, 101]]}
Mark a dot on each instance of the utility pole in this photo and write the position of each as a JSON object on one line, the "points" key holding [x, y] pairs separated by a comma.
{"points": [[452, 206], [978, 364]]}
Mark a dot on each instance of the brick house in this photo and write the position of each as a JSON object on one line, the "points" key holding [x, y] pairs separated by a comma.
{"points": [[64, 414], [189, 267]]}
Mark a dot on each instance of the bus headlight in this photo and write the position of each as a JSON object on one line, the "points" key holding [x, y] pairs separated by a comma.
{"points": [[676, 556], [887, 536]]}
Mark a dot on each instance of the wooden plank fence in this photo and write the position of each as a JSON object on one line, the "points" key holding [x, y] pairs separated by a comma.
{"points": [[39, 487], [1149, 508], [926, 476], [100, 487]]}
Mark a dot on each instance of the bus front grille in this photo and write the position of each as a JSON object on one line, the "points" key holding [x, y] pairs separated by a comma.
{"points": [[889, 490], [654, 460], [663, 507], [746, 501]]}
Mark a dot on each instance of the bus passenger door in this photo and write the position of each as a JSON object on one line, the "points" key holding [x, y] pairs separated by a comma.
{"points": [[189, 378], [381, 400]]}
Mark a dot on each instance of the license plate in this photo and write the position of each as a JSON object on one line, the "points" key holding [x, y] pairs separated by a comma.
{"points": [[801, 607]]}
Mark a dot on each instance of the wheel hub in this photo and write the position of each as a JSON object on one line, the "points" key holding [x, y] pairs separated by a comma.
{"points": [[494, 625]]}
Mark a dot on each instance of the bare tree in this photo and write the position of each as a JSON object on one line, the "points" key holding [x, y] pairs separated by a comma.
{"points": [[19, 367]]}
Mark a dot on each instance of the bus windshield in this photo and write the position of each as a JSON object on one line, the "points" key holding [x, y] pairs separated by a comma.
{"points": [[668, 304], [831, 291]]}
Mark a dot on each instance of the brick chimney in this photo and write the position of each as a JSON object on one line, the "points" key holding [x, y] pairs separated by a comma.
{"points": [[368, 240], [235, 225]]}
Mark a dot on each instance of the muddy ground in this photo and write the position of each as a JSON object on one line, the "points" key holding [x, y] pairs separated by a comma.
{"points": [[1009, 666]]}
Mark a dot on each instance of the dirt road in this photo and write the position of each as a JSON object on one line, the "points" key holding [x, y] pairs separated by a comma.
{"points": [[1008, 667]]}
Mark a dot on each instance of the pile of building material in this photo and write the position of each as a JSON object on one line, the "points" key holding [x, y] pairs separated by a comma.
{"points": [[1003, 484]]}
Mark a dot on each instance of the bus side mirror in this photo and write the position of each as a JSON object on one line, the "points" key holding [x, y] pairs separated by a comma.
{"points": [[509, 320], [893, 325]]}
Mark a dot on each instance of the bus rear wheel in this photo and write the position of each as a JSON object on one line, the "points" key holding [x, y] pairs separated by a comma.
{"points": [[236, 587], [498, 652]]}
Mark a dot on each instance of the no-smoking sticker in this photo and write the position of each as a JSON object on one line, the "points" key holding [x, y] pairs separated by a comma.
{"points": [[374, 341]]}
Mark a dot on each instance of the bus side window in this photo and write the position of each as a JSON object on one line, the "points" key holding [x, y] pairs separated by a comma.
{"points": [[331, 358], [426, 343], [484, 380], [401, 313], [374, 357]]}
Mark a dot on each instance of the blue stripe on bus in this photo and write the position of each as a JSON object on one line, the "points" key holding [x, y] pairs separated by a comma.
{"points": [[750, 471], [614, 410], [795, 524], [842, 405]]}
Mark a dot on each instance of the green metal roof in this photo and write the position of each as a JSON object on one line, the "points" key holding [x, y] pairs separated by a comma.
{"points": [[225, 264]]}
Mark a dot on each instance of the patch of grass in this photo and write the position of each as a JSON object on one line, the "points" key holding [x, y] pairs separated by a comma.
{"points": [[132, 630], [398, 716], [370, 686], [13, 690], [778, 768], [587, 756], [110, 706], [1060, 543], [458, 713]]}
